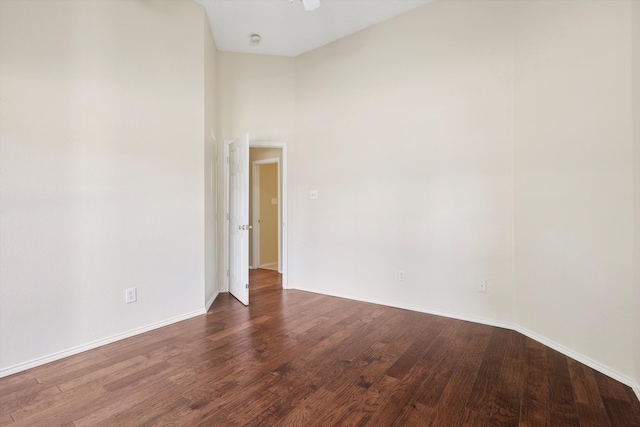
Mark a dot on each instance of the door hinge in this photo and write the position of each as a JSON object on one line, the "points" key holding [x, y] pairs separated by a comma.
{"points": [[227, 159], [246, 286], [227, 272], [227, 216]]}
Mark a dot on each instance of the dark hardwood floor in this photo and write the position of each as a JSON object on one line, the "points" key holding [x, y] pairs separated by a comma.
{"points": [[295, 358]]}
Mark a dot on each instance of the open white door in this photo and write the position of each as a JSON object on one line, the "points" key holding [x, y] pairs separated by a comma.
{"points": [[239, 219]]}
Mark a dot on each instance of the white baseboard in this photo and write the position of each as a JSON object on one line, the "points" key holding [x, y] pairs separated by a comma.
{"points": [[558, 347], [211, 300], [269, 266], [483, 321], [581, 358], [94, 344]]}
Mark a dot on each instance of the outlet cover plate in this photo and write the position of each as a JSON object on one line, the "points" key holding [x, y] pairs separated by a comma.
{"points": [[482, 286], [131, 295]]}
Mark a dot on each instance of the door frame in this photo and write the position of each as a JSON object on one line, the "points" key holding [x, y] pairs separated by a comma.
{"points": [[284, 225], [214, 194], [255, 209]]}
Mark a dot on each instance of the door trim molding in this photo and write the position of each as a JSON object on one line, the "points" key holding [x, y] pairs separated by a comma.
{"points": [[224, 283]]}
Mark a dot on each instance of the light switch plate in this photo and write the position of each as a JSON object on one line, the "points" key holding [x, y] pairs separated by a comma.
{"points": [[313, 194]]}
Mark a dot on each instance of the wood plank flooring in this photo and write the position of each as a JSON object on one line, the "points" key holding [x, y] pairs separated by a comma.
{"points": [[295, 358]]}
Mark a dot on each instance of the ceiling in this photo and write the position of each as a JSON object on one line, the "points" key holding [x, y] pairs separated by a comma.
{"points": [[287, 29]]}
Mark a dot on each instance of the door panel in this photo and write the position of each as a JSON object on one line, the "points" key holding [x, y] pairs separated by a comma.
{"points": [[239, 219]]}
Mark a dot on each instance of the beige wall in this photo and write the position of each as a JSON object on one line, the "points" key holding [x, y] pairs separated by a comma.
{"points": [[256, 153], [574, 176], [268, 214], [101, 173]]}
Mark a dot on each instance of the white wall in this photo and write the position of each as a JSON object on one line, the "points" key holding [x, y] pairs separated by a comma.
{"points": [[405, 131], [101, 172], [574, 195]]}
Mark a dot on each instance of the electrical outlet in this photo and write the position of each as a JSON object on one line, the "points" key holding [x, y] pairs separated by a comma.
{"points": [[131, 295], [401, 275], [313, 194], [482, 286]]}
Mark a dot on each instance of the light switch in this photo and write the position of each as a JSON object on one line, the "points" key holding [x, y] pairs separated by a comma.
{"points": [[313, 194]]}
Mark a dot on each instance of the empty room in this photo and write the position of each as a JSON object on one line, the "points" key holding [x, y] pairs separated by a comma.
{"points": [[450, 191]]}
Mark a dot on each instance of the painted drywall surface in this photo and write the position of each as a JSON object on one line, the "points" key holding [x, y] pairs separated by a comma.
{"points": [[405, 131], [574, 176], [636, 138], [210, 166], [256, 95], [256, 153], [101, 172], [268, 214]]}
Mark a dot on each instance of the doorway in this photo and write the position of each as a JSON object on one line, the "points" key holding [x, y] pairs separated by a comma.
{"points": [[281, 202]]}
